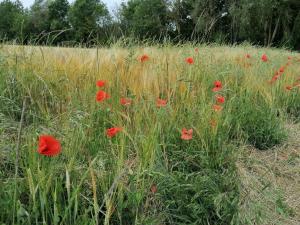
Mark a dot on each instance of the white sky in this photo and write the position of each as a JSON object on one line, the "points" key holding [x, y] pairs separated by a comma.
{"points": [[111, 4]]}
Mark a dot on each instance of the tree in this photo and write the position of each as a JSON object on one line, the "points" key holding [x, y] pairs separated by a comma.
{"points": [[58, 19], [38, 23], [145, 18], [295, 32], [58, 14], [88, 18], [11, 19], [181, 16], [211, 19], [262, 22], [268, 22]]}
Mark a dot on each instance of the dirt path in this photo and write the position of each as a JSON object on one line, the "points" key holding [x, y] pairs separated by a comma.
{"points": [[271, 183]]}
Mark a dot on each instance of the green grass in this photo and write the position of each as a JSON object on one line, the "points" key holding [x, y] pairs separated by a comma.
{"points": [[97, 180]]}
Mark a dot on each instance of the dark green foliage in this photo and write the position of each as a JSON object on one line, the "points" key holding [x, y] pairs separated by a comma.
{"points": [[295, 32], [267, 21], [145, 18], [11, 19], [203, 197], [199, 189], [263, 22], [258, 123], [262, 128], [183, 22], [58, 17], [58, 11], [290, 103], [198, 183], [87, 17], [38, 23]]}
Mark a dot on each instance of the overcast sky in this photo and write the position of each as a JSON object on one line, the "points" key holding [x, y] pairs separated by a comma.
{"points": [[111, 4]]}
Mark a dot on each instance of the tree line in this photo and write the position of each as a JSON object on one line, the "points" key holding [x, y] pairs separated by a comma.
{"points": [[89, 22]]}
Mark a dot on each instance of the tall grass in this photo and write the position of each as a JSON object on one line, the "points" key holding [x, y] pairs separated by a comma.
{"points": [[97, 180]]}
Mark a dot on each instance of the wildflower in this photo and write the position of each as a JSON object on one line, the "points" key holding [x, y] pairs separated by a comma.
{"points": [[125, 101], [217, 108], [111, 132], [144, 58], [264, 58], [220, 99], [153, 188], [101, 96], [289, 88], [189, 60], [274, 78], [161, 102], [281, 70], [101, 83], [248, 56], [48, 146], [186, 134], [290, 57], [197, 50], [218, 86]]}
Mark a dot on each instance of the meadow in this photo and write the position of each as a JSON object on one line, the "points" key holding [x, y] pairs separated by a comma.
{"points": [[204, 134]]}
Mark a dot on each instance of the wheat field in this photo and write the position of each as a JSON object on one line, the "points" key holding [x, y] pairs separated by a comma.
{"points": [[198, 136]]}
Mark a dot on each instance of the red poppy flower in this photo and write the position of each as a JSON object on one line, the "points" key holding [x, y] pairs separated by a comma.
{"points": [[281, 70], [274, 78], [189, 60], [144, 58], [101, 83], [217, 108], [264, 58], [218, 86], [220, 99], [186, 134], [111, 132], [153, 188], [161, 102], [101, 96], [289, 88], [125, 101], [248, 56], [49, 146]]}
